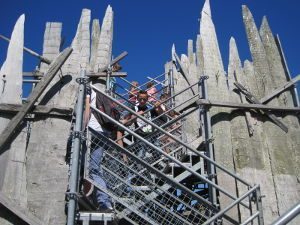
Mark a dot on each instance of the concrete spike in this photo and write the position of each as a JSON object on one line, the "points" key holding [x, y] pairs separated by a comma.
{"points": [[95, 42], [52, 42], [46, 195], [173, 52], [234, 66], [261, 67], [190, 51], [254, 159], [217, 90], [11, 70], [285, 166], [277, 140], [206, 9], [81, 45], [104, 53], [199, 55], [276, 68], [213, 64], [12, 158]]}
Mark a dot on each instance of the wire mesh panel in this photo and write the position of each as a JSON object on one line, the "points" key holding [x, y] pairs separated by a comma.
{"points": [[150, 195], [163, 180]]}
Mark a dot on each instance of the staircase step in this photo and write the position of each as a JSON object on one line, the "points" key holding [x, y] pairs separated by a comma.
{"points": [[141, 188], [188, 164], [85, 217]]}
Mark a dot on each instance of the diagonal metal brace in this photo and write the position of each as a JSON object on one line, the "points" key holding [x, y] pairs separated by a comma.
{"points": [[254, 100]]}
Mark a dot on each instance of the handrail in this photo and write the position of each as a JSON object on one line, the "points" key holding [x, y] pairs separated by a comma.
{"points": [[164, 153], [288, 216], [169, 135], [222, 212]]}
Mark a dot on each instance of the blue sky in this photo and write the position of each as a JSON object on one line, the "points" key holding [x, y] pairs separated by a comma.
{"points": [[147, 29]]}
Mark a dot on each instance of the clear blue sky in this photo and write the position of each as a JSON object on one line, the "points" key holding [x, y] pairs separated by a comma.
{"points": [[147, 29]]}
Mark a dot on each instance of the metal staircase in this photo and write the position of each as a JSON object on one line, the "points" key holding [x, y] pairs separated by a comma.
{"points": [[165, 180]]}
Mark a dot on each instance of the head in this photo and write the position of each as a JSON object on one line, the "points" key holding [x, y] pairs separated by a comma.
{"points": [[142, 97], [134, 84], [116, 67], [163, 96], [149, 85]]}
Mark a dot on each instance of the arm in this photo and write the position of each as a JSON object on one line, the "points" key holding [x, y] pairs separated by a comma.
{"points": [[87, 112]]}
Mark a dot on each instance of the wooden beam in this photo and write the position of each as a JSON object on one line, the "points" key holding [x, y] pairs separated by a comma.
{"points": [[182, 71], [104, 74], [247, 106], [20, 212], [205, 102], [254, 100], [279, 90], [43, 59], [38, 110], [35, 94], [114, 61]]}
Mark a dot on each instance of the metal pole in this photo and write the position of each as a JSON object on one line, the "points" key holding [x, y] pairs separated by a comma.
{"points": [[73, 181], [172, 89], [289, 215], [259, 206], [208, 140], [235, 202]]}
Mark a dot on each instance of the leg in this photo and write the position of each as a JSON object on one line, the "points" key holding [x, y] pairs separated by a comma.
{"points": [[102, 199]]}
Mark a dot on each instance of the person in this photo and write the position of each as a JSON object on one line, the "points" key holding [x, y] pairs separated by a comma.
{"points": [[133, 91], [151, 91], [102, 200]]}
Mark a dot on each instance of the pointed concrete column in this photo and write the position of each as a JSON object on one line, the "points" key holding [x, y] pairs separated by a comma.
{"points": [[190, 51], [217, 90], [13, 156], [95, 43], [48, 183], [199, 55], [105, 41], [261, 66], [285, 167], [236, 73], [254, 161]]}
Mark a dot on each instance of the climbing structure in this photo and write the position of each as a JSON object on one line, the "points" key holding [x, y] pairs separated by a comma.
{"points": [[227, 154]]}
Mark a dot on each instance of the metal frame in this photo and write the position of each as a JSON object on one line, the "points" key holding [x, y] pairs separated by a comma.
{"points": [[76, 148]]}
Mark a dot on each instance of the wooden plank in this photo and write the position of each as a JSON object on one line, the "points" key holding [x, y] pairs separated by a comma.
{"points": [[37, 91], [22, 213], [43, 59], [38, 110], [114, 61], [182, 71], [254, 100], [104, 74], [279, 90], [246, 106]]}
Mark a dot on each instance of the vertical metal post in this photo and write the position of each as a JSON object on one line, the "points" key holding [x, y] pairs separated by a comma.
{"points": [[171, 84], [75, 159], [109, 72], [207, 133], [259, 207]]}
